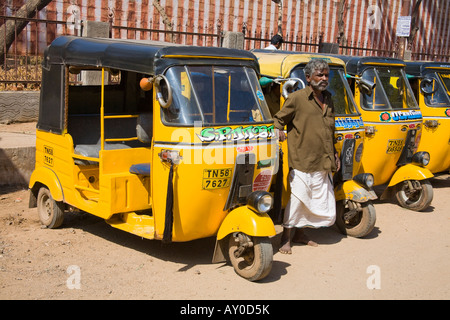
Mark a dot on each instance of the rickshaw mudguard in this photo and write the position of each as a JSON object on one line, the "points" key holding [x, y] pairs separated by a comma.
{"points": [[247, 221], [410, 172], [244, 220], [351, 190], [49, 179]]}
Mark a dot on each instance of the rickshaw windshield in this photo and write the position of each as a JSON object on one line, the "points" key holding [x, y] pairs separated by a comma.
{"points": [[391, 92], [445, 77], [440, 96], [338, 87], [215, 95]]}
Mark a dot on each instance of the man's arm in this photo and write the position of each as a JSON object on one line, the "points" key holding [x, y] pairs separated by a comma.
{"points": [[284, 117]]}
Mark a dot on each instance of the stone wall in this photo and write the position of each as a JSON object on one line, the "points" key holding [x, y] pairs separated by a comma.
{"points": [[19, 106]]}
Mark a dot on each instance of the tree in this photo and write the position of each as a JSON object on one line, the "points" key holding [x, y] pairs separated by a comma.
{"points": [[341, 24], [12, 27]]}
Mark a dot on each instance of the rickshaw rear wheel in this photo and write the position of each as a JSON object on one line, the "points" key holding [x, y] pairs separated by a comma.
{"points": [[358, 223], [414, 195], [51, 212], [251, 260]]}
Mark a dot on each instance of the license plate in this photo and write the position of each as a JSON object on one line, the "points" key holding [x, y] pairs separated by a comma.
{"points": [[216, 178], [395, 145]]}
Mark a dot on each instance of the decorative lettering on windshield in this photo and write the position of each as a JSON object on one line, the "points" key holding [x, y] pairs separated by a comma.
{"points": [[237, 134]]}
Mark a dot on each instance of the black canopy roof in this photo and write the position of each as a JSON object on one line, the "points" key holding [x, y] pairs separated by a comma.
{"points": [[356, 65], [418, 68], [150, 57]]}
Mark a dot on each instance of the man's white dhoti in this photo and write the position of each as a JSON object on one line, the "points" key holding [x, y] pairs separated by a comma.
{"points": [[312, 202]]}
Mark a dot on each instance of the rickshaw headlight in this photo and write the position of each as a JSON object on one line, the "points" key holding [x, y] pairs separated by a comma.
{"points": [[260, 201], [421, 158], [365, 179]]}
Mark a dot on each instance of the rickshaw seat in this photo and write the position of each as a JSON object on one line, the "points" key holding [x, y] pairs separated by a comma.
{"points": [[93, 150], [141, 168]]}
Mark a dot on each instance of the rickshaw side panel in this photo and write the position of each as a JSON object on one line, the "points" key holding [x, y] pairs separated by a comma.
{"points": [[54, 152], [122, 191]]}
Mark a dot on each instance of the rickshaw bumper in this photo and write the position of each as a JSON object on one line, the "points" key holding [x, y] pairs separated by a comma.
{"points": [[351, 190], [410, 172]]}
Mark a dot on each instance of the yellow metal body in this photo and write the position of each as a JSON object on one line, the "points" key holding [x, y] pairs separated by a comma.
{"points": [[198, 212], [351, 190], [435, 138], [383, 147], [409, 172], [136, 203], [348, 126]]}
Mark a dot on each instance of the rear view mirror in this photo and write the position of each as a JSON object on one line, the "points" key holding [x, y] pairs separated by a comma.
{"points": [[291, 85], [366, 86], [163, 91], [428, 85]]}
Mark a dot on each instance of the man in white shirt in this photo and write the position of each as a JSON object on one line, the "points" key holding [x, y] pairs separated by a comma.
{"points": [[275, 43]]}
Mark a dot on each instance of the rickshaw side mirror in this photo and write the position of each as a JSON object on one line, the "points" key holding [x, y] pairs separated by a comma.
{"points": [[366, 86], [428, 85], [163, 91], [291, 85]]}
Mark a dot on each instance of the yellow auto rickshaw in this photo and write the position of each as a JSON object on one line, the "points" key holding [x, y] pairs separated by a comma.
{"points": [[393, 125], [430, 82], [283, 73], [166, 142]]}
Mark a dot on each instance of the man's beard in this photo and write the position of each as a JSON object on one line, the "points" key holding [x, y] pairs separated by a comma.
{"points": [[321, 85]]}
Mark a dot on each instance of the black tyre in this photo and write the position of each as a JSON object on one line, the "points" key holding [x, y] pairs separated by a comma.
{"points": [[51, 212], [414, 194], [255, 262], [360, 223]]}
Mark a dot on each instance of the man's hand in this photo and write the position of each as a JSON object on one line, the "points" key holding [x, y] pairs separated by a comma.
{"points": [[281, 135], [338, 161]]}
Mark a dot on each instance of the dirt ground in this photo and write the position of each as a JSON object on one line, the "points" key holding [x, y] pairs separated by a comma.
{"points": [[405, 257]]}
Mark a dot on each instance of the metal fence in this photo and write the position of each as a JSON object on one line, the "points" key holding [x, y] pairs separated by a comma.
{"points": [[20, 65]]}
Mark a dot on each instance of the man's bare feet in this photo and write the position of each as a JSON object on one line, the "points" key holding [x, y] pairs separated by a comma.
{"points": [[286, 242], [286, 248]]}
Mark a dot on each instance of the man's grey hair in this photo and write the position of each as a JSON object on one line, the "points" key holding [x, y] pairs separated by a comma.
{"points": [[315, 65]]}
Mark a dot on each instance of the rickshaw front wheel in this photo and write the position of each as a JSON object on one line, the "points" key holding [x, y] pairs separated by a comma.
{"points": [[251, 257], [51, 212], [354, 219], [414, 194]]}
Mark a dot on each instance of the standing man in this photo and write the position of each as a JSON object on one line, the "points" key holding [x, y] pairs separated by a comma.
{"points": [[275, 43], [309, 116]]}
